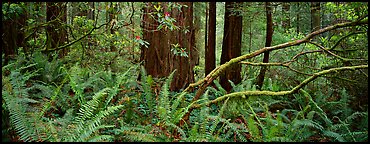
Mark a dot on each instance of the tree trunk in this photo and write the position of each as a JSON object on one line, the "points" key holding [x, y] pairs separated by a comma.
{"points": [[206, 29], [210, 52], [286, 11], [298, 17], [57, 35], [231, 46], [12, 34], [111, 29], [269, 32], [158, 59], [90, 13], [315, 16]]}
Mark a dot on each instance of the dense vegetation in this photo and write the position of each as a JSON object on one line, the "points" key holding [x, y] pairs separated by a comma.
{"points": [[83, 74]]}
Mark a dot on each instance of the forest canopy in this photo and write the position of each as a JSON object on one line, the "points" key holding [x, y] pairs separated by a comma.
{"points": [[184, 71]]}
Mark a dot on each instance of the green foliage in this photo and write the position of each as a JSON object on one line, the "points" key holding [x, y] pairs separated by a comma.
{"points": [[12, 10], [89, 120], [16, 98], [179, 51], [94, 94]]}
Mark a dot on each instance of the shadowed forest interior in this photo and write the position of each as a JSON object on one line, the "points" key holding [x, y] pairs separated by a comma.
{"points": [[184, 71]]}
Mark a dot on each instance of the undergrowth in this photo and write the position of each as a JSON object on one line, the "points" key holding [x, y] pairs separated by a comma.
{"points": [[50, 101]]}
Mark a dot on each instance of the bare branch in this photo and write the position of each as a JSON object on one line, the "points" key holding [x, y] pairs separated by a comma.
{"points": [[73, 42], [333, 54]]}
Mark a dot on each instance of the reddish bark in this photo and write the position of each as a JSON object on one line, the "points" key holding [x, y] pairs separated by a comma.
{"points": [[231, 46], [158, 59], [210, 54]]}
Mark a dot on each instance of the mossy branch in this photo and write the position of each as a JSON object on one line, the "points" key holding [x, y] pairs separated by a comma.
{"points": [[203, 83], [282, 93], [217, 71]]}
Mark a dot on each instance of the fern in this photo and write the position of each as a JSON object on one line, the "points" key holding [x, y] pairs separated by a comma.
{"points": [[78, 82], [164, 101], [15, 96], [89, 120], [334, 135], [219, 87], [116, 86], [137, 133]]}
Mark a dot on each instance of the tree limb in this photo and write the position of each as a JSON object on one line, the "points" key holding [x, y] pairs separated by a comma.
{"points": [[203, 83], [73, 42], [282, 93]]}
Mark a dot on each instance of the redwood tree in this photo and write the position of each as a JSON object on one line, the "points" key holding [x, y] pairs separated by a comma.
{"points": [[315, 16], [158, 59], [231, 46], [210, 55], [57, 35], [269, 31]]}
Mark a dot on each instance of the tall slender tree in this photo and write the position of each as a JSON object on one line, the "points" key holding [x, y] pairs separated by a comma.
{"points": [[210, 54], [206, 28], [298, 17], [269, 32], [159, 60], [110, 16], [231, 46], [57, 34], [315, 16], [286, 12]]}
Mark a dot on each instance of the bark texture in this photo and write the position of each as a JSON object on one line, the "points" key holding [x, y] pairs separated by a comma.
{"points": [[57, 35], [158, 59], [269, 31], [210, 52], [231, 46]]}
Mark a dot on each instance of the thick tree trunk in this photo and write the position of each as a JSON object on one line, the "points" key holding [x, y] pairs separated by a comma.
{"points": [[210, 52], [158, 59], [57, 35], [269, 31], [231, 46]]}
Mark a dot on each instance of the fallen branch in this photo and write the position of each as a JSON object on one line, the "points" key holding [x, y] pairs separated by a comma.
{"points": [[205, 82], [281, 93]]}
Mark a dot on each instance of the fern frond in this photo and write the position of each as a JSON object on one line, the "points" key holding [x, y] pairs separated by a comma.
{"points": [[115, 89], [176, 103], [219, 87], [181, 131], [217, 118], [101, 138], [334, 135], [15, 96], [88, 122], [138, 136], [280, 139], [358, 136], [253, 129], [164, 101], [355, 115], [18, 119], [86, 110], [306, 122]]}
